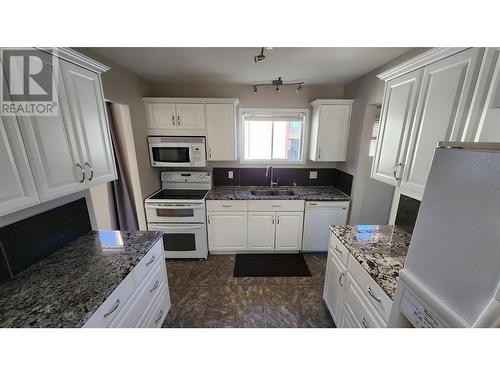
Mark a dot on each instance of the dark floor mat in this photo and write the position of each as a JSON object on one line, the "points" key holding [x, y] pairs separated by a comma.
{"points": [[270, 265]]}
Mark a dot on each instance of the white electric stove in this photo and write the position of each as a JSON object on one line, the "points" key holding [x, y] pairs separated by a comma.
{"points": [[178, 210]]}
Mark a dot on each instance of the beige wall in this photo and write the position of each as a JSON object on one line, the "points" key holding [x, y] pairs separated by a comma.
{"points": [[371, 200], [267, 97], [122, 86]]}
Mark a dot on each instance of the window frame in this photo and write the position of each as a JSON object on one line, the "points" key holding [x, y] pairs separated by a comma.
{"points": [[274, 111]]}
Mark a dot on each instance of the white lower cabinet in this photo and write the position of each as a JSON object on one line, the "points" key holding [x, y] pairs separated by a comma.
{"points": [[335, 286], [227, 231], [353, 298], [255, 226], [141, 300]]}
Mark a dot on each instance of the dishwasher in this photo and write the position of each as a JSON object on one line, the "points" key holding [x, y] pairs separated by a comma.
{"points": [[318, 216]]}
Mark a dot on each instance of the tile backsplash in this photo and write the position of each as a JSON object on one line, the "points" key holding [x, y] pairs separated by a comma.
{"points": [[28, 241], [284, 177], [407, 212]]}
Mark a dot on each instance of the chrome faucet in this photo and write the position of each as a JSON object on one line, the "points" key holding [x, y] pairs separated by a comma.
{"points": [[269, 168]]}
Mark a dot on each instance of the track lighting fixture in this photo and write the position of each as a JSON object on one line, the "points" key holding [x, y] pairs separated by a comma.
{"points": [[277, 83], [258, 58]]}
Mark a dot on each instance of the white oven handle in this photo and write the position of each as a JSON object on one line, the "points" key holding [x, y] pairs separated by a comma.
{"points": [[175, 227]]}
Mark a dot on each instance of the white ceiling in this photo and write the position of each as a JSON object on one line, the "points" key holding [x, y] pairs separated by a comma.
{"points": [[236, 65]]}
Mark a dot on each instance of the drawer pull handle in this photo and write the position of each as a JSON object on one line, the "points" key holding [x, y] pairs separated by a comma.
{"points": [[276, 205], [117, 303], [159, 316], [340, 279], [151, 260], [83, 172], [370, 292], [157, 283], [337, 248], [363, 321], [227, 205]]}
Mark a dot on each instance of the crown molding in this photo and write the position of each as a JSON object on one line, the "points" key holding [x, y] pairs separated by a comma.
{"points": [[419, 61], [77, 58]]}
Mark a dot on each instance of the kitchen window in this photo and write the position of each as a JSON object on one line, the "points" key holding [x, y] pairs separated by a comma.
{"points": [[273, 136]]}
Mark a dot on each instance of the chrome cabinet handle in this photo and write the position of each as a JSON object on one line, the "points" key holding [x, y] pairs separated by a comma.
{"points": [[340, 279], [209, 220], [210, 153], [273, 219], [319, 153], [159, 316], [117, 303], [83, 172], [91, 170], [395, 171], [277, 219], [151, 260], [276, 205], [363, 321], [178, 120], [173, 120], [157, 283], [227, 205], [370, 292], [337, 249]]}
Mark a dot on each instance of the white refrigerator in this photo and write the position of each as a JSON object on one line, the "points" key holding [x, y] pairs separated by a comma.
{"points": [[452, 273]]}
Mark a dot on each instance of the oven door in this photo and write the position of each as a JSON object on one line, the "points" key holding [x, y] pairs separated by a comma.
{"points": [[175, 212], [170, 155], [183, 240]]}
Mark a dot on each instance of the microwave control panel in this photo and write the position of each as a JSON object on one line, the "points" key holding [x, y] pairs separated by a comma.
{"points": [[197, 153], [418, 314]]}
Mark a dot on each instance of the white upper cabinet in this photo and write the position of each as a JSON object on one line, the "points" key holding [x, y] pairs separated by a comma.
{"points": [[289, 231], [330, 129], [400, 99], [221, 131], [484, 124], [17, 186], [190, 116], [443, 104], [53, 151], [161, 116], [83, 88]]}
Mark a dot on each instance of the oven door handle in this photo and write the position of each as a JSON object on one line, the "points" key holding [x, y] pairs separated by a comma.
{"points": [[175, 227], [173, 206]]}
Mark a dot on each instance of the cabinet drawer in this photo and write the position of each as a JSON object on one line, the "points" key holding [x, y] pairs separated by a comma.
{"points": [[357, 304], [110, 308], [148, 262], [158, 310], [338, 248], [136, 307], [373, 292], [226, 205], [275, 205]]}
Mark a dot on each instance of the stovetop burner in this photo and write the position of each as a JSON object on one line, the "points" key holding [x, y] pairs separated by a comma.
{"points": [[179, 194]]}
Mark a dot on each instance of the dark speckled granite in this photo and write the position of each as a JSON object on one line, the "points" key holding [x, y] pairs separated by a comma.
{"points": [[380, 249], [67, 287], [319, 193]]}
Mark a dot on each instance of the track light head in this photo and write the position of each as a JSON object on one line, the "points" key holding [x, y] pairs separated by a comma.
{"points": [[258, 58]]}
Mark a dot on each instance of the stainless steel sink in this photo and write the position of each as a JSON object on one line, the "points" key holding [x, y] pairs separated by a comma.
{"points": [[269, 193]]}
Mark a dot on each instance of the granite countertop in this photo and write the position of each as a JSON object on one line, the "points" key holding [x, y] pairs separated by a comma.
{"points": [[67, 287], [316, 193], [380, 249]]}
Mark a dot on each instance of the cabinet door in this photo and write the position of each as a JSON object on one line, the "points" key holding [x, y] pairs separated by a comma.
{"points": [[334, 290], [17, 186], [333, 132], [227, 231], [53, 151], [447, 88], [289, 231], [485, 119], [398, 110], [221, 139], [261, 230], [161, 116], [190, 116], [87, 106]]}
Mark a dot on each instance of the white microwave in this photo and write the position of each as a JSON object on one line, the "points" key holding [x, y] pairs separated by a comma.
{"points": [[177, 151]]}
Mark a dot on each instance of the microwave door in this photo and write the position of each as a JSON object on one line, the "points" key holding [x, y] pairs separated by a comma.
{"points": [[179, 155]]}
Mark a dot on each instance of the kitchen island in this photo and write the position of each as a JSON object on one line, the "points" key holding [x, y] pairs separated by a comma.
{"points": [[93, 281]]}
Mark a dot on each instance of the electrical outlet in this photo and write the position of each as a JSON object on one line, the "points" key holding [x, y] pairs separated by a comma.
{"points": [[230, 174], [313, 175]]}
